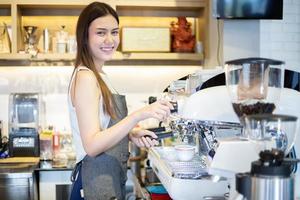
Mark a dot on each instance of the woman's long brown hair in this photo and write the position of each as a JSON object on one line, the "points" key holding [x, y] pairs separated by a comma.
{"points": [[84, 58]]}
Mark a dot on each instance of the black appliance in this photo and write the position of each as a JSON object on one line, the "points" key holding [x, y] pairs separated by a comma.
{"points": [[24, 142], [248, 9]]}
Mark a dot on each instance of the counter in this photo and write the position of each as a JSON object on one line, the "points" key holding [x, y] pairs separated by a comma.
{"points": [[26, 174]]}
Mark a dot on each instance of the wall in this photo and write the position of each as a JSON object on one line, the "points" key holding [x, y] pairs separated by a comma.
{"points": [[241, 39]]}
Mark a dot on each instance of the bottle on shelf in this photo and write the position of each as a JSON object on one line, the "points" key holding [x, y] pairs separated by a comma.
{"points": [[56, 142], [61, 40], [46, 39]]}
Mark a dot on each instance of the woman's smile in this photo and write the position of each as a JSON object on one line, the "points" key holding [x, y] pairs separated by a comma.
{"points": [[107, 49]]}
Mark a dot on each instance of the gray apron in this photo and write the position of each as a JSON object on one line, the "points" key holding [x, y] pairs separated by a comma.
{"points": [[104, 176]]}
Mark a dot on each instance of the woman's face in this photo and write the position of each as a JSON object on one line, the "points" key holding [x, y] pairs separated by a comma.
{"points": [[103, 38]]}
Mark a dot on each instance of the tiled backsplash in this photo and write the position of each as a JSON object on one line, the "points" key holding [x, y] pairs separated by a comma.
{"points": [[276, 39], [280, 39]]}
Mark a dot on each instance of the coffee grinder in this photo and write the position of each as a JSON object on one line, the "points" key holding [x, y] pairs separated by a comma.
{"points": [[23, 124], [254, 86], [271, 176]]}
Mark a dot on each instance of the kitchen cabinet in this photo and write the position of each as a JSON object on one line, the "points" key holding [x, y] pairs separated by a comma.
{"points": [[55, 184], [17, 181], [52, 14]]}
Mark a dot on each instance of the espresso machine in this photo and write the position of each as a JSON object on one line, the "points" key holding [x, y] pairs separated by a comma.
{"points": [[217, 117], [24, 124]]}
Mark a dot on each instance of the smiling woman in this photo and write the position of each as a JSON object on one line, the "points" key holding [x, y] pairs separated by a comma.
{"points": [[103, 38], [100, 126]]}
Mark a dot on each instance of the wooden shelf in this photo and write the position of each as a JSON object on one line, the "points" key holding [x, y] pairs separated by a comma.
{"points": [[14, 56], [51, 14], [117, 56], [158, 56], [38, 57]]}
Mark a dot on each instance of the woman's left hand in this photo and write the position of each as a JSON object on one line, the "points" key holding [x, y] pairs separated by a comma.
{"points": [[137, 136]]}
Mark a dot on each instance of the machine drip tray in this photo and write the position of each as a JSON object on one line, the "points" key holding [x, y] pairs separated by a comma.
{"points": [[185, 180]]}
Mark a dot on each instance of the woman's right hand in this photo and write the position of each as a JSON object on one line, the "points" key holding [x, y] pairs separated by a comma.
{"points": [[159, 110], [139, 137]]}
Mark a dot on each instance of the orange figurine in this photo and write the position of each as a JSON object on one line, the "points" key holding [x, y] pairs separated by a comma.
{"points": [[182, 38]]}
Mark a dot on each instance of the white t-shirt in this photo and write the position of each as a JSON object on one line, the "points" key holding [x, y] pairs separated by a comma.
{"points": [[104, 117]]}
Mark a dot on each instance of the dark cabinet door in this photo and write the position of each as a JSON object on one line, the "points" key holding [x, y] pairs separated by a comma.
{"points": [[17, 188], [63, 191]]}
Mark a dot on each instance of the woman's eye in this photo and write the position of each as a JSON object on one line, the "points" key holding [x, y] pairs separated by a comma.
{"points": [[101, 33], [115, 33]]}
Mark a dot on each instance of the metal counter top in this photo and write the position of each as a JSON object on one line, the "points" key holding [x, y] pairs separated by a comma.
{"points": [[25, 169], [17, 170], [52, 166]]}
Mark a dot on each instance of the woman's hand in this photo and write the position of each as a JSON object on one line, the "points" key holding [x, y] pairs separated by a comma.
{"points": [[159, 110], [137, 136]]}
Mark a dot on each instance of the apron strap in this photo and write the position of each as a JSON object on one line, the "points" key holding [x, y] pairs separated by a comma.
{"points": [[75, 171]]}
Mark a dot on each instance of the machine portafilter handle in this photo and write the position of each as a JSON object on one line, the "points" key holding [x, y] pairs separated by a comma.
{"points": [[175, 126], [162, 131]]}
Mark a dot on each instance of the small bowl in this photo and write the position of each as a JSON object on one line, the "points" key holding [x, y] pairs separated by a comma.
{"points": [[185, 152]]}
